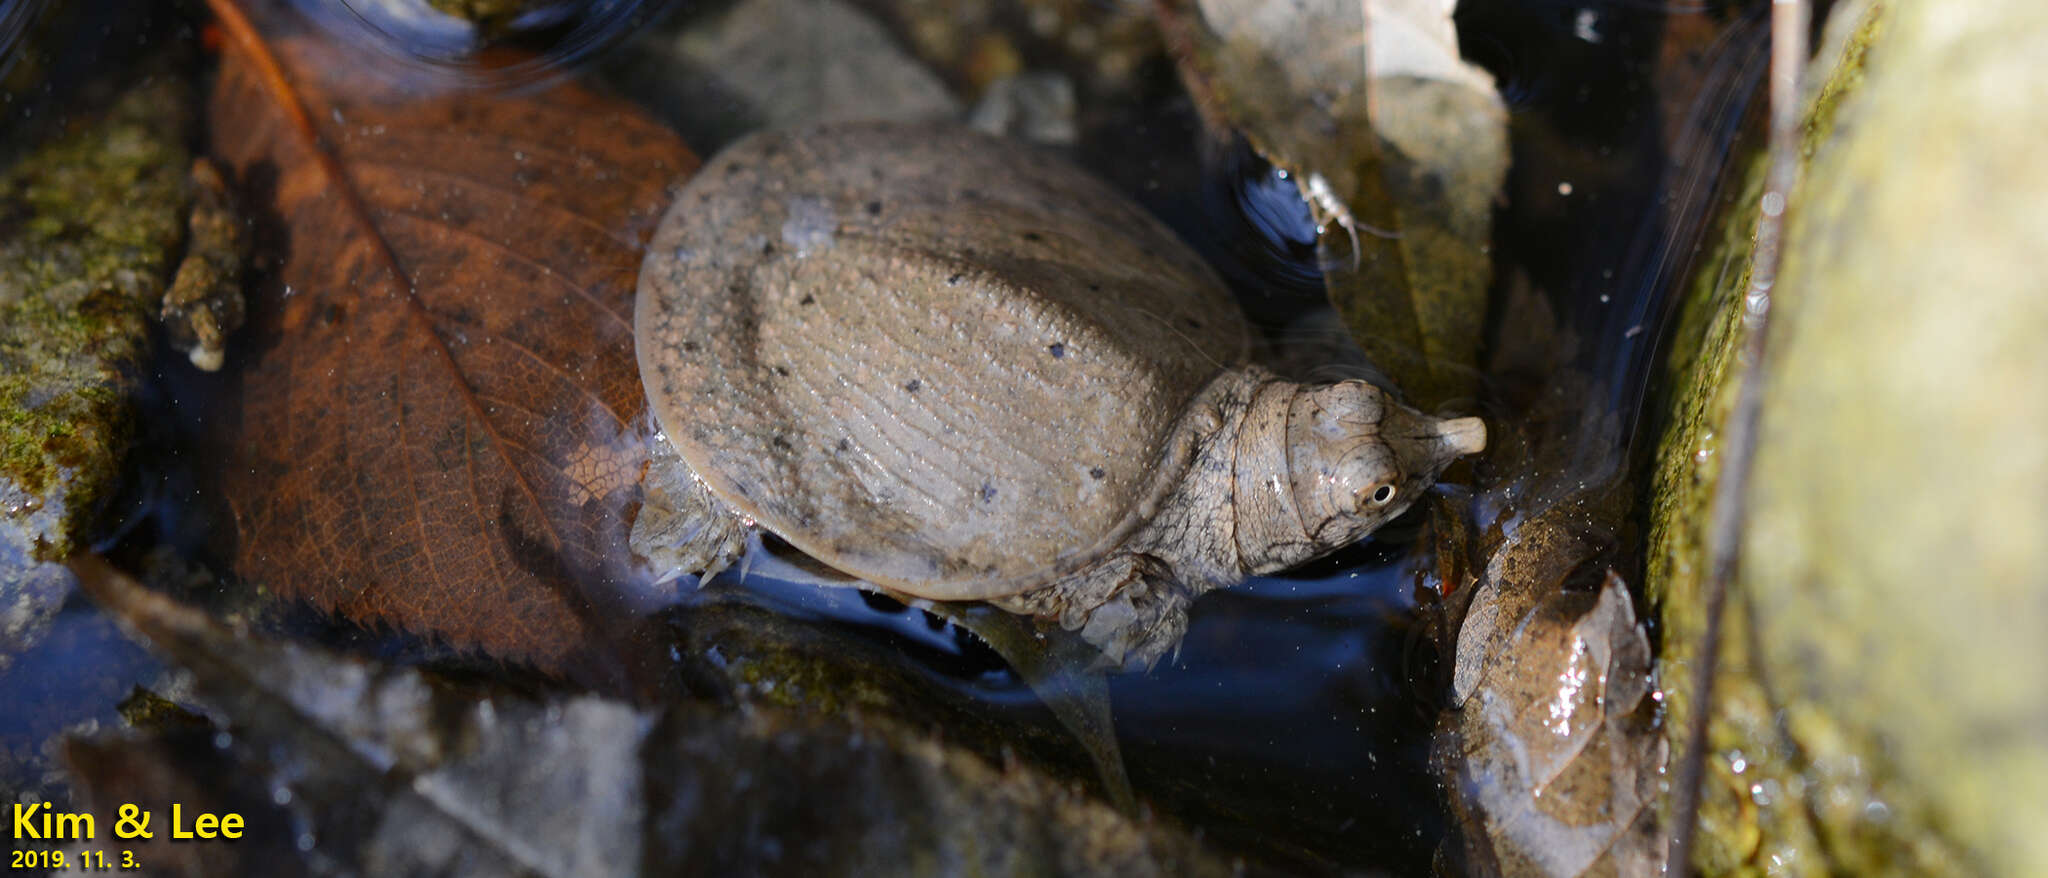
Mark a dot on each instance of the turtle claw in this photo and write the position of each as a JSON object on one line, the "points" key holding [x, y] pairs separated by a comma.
{"points": [[717, 566], [1138, 613]]}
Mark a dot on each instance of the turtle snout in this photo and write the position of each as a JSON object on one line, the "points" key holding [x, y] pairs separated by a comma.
{"points": [[1425, 445], [1458, 437]]}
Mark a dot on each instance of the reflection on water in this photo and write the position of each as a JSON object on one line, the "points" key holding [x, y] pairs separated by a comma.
{"points": [[71, 681], [539, 41], [16, 18]]}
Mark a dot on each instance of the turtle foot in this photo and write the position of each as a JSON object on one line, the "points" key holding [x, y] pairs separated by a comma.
{"points": [[683, 529], [1129, 607]]}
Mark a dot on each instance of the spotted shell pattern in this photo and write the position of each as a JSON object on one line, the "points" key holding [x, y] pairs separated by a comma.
{"points": [[942, 362]]}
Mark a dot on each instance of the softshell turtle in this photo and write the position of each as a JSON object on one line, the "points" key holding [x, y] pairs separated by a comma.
{"points": [[955, 367]]}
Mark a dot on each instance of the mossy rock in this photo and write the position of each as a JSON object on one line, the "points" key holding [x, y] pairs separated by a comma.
{"points": [[1879, 705], [91, 223]]}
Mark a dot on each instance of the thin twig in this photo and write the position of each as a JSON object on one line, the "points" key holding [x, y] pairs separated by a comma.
{"points": [[1789, 22]]}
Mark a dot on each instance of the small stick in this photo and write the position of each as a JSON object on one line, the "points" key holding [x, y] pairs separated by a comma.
{"points": [[1789, 22]]}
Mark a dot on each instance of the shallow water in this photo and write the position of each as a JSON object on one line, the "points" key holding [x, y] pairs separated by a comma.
{"points": [[1294, 724]]}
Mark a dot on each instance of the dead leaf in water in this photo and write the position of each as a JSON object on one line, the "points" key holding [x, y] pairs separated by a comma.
{"points": [[437, 425], [1552, 752], [344, 766], [1398, 145]]}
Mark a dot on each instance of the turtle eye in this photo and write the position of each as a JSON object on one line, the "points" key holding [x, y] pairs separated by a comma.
{"points": [[1384, 495]]}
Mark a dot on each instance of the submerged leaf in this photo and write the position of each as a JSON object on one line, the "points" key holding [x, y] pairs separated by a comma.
{"points": [[1554, 753], [1399, 147], [439, 423], [346, 767]]}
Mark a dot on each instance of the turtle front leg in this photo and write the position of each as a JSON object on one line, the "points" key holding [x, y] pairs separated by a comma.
{"points": [[681, 527], [1129, 606]]}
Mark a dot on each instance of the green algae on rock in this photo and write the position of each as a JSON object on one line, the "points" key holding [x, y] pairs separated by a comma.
{"points": [[1732, 826], [1877, 710], [90, 225]]}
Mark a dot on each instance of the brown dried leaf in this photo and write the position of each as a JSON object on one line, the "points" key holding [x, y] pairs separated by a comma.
{"points": [[439, 425], [1561, 765], [1552, 751]]}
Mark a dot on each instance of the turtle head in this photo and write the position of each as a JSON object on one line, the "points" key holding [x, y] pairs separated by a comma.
{"points": [[1356, 458]]}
